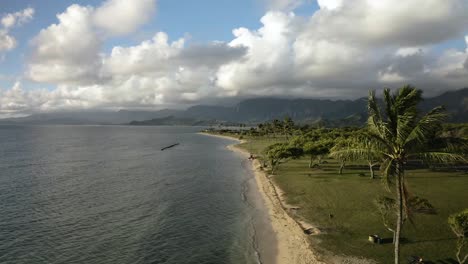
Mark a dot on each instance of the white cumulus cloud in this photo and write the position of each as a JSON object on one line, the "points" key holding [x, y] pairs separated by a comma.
{"points": [[67, 52], [9, 21], [342, 50], [330, 4], [121, 17]]}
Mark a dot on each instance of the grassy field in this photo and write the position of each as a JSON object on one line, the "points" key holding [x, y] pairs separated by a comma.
{"points": [[349, 198]]}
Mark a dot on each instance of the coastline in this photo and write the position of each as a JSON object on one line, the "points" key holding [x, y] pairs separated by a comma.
{"points": [[292, 244]]}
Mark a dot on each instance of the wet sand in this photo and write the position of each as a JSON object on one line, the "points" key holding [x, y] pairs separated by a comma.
{"points": [[292, 246]]}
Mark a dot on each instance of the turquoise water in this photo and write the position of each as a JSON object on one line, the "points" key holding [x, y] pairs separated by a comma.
{"points": [[107, 194]]}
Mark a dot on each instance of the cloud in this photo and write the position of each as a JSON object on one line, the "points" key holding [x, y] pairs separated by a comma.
{"points": [[158, 71], [283, 5], [330, 4], [154, 72], [210, 55], [466, 61], [348, 47], [342, 50], [283, 60], [120, 17], [385, 22], [15, 19], [406, 64], [67, 52], [267, 58], [7, 42], [9, 21], [18, 102], [149, 56]]}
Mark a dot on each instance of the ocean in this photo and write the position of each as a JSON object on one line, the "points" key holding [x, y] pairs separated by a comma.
{"points": [[108, 194]]}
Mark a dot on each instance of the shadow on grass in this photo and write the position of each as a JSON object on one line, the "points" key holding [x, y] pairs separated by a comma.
{"points": [[384, 241], [432, 240], [403, 240], [437, 176], [442, 261]]}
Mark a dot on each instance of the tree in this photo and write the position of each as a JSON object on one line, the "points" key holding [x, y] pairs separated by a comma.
{"points": [[312, 145], [315, 150], [387, 206], [398, 132], [277, 126], [372, 157], [338, 153], [288, 126], [459, 225], [279, 152]]}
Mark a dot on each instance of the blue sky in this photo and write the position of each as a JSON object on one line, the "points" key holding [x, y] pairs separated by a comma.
{"points": [[291, 48]]}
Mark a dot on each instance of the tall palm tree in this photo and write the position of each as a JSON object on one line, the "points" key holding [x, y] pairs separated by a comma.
{"points": [[398, 132]]}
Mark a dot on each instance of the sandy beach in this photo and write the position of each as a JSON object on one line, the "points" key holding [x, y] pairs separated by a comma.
{"points": [[292, 247]]}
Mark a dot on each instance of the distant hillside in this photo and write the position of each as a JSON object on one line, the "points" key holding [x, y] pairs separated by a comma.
{"points": [[178, 121], [455, 102], [327, 112], [304, 110], [251, 111], [89, 117]]}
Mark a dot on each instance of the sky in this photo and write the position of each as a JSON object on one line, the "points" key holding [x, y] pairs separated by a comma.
{"points": [[153, 54]]}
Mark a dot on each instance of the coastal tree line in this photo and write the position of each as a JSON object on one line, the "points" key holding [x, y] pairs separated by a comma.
{"points": [[396, 134]]}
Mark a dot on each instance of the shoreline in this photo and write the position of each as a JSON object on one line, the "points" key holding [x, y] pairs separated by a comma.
{"points": [[293, 246]]}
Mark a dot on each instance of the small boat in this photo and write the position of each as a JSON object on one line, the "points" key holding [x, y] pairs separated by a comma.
{"points": [[170, 146]]}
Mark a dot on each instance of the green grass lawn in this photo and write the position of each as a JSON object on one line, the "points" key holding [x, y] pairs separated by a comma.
{"points": [[350, 199]]}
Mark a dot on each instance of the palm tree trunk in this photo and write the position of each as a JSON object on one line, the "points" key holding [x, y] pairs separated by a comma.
{"points": [[371, 168], [399, 186], [342, 167]]}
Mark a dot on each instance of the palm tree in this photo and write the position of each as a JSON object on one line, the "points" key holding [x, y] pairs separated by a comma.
{"points": [[397, 133]]}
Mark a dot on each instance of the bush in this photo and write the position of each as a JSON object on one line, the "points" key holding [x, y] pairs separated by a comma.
{"points": [[459, 223]]}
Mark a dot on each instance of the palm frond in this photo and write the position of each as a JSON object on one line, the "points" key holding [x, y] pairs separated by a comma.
{"points": [[426, 126], [439, 157], [374, 120], [376, 139], [405, 108], [452, 145], [407, 99], [388, 171], [353, 154], [391, 115]]}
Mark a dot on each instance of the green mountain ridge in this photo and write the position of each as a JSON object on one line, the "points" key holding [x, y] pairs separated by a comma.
{"points": [[250, 111]]}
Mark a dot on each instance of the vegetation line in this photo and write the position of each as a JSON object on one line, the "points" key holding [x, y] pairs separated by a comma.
{"points": [[420, 160]]}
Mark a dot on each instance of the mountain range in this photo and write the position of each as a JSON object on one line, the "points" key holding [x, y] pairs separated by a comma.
{"points": [[250, 111]]}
